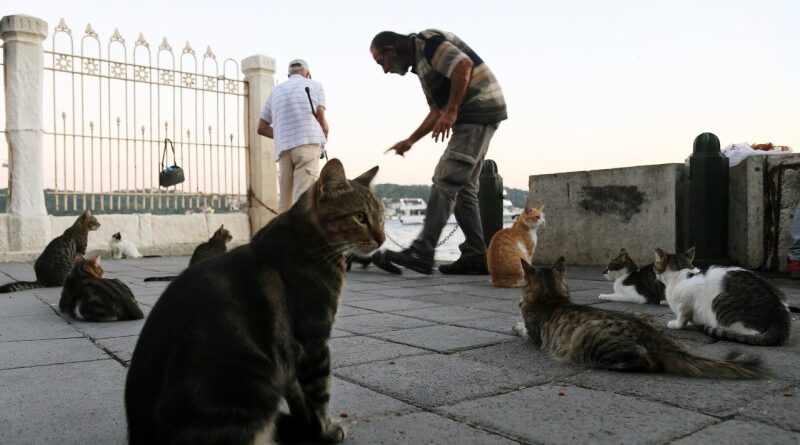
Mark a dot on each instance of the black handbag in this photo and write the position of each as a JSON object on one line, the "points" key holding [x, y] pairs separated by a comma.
{"points": [[170, 176]]}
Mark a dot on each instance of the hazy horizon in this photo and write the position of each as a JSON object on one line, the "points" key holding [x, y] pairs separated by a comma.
{"points": [[588, 85]]}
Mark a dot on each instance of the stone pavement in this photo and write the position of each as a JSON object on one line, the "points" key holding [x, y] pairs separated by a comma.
{"points": [[417, 359]]}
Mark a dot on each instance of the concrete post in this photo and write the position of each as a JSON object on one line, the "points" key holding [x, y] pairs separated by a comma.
{"points": [[259, 71], [23, 55]]}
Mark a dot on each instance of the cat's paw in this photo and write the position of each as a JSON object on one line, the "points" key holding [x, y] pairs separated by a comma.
{"points": [[663, 303], [519, 329], [674, 324], [335, 433], [607, 297]]}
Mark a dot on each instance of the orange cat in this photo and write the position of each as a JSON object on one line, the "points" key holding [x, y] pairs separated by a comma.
{"points": [[509, 245]]}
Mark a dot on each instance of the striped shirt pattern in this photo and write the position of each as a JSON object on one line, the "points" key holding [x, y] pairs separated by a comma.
{"points": [[288, 111], [437, 55]]}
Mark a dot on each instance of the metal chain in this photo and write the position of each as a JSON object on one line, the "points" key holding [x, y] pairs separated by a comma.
{"points": [[441, 243]]}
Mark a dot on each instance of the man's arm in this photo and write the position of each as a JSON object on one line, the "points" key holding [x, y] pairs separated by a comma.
{"points": [[322, 121], [459, 81], [423, 129], [265, 129]]}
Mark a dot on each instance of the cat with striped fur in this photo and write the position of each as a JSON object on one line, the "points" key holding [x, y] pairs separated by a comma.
{"points": [[727, 303], [55, 262], [89, 296]]}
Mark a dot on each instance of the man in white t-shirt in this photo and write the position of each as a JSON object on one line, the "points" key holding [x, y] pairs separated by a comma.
{"points": [[294, 116]]}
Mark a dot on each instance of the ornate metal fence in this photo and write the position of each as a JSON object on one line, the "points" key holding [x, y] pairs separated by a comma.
{"points": [[110, 109]]}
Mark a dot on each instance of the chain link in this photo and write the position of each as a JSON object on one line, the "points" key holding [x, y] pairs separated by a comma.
{"points": [[441, 243]]}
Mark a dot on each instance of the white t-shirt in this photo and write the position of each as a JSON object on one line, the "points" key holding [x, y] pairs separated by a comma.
{"points": [[288, 111]]}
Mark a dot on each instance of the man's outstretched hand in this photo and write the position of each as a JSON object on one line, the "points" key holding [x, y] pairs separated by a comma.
{"points": [[401, 147]]}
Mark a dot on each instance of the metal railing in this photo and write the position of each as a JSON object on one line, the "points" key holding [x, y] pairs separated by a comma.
{"points": [[110, 111]]}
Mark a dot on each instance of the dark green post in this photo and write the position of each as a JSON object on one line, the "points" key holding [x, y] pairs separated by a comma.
{"points": [[708, 186], [490, 200]]}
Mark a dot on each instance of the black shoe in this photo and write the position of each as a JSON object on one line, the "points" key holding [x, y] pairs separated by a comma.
{"points": [[379, 259], [411, 259], [466, 266]]}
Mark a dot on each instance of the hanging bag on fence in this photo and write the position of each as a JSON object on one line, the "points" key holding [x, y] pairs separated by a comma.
{"points": [[170, 176]]}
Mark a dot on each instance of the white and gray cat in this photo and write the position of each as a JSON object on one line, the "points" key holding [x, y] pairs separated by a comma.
{"points": [[728, 303], [121, 248], [631, 283]]}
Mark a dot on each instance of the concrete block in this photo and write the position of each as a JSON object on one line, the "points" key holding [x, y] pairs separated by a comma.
{"points": [[20, 354], [356, 350], [780, 408], [236, 223], [746, 212], [28, 232], [710, 396], [784, 172], [193, 229], [592, 214], [360, 403], [443, 338], [75, 403], [738, 432], [433, 380], [4, 246], [371, 323], [569, 415], [420, 428]]}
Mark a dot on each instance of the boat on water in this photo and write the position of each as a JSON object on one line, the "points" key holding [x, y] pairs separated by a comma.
{"points": [[412, 211], [510, 212]]}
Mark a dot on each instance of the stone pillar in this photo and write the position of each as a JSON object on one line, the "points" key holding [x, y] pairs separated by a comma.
{"points": [[259, 71], [23, 55]]}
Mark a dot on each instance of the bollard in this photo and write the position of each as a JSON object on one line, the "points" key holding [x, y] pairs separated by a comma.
{"points": [[708, 186], [490, 200]]}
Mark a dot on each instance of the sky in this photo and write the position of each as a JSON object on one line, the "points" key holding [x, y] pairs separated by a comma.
{"points": [[589, 85]]}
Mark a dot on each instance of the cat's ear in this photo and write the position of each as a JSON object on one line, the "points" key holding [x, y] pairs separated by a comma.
{"points": [[78, 257], [221, 227], [87, 212], [527, 207], [541, 208], [526, 267], [660, 254], [367, 177], [332, 178], [690, 254], [622, 251], [560, 266], [96, 260]]}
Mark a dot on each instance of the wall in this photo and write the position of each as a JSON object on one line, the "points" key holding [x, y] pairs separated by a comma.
{"points": [[592, 214], [152, 234]]}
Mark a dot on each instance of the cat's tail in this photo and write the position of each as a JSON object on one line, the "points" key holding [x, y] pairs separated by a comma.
{"points": [[776, 334], [161, 278], [735, 366], [19, 285]]}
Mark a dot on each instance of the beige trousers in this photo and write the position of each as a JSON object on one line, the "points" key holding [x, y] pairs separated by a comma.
{"points": [[298, 169]]}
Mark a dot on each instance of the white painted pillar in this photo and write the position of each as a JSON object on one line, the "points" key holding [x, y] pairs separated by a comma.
{"points": [[259, 72], [23, 58]]}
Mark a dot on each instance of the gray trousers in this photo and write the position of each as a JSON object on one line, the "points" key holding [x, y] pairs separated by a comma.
{"points": [[455, 190]]}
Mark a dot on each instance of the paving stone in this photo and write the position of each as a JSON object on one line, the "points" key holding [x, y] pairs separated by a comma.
{"points": [[347, 351], [419, 428], [338, 333], [501, 323], [406, 291], [349, 296], [41, 326], [122, 347], [601, 285], [504, 306], [737, 432], [13, 304], [451, 299], [75, 403], [390, 304], [435, 379], [360, 403], [442, 338], [371, 323], [49, 295], [543, 415], [781, 362], [711, 396], [19, 354], [502, 293], [522, 355], [447, 314], [348, 311], [781, 408]]}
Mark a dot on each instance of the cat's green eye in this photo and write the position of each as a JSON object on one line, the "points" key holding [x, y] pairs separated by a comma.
{"points": [[361, 217]]}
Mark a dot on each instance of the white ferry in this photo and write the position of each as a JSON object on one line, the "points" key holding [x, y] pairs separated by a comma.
{"points": [[412, 211]]}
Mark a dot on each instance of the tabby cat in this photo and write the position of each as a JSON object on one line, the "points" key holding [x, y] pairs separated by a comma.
{"points": [[55, 262], [631, 284], [510, 245], [234, 334], [89, 296], [588, 336], [217, 244], [728, 303]]}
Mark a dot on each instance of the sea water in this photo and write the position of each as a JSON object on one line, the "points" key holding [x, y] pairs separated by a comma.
{"points": [[399, 236]]}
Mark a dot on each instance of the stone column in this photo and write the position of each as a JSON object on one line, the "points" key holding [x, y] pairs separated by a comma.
{"points": [[22, 36], [259, 71]]}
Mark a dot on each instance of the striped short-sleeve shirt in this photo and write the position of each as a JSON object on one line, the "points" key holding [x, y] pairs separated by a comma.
{"points": [[288, 112], [437, 54]]}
